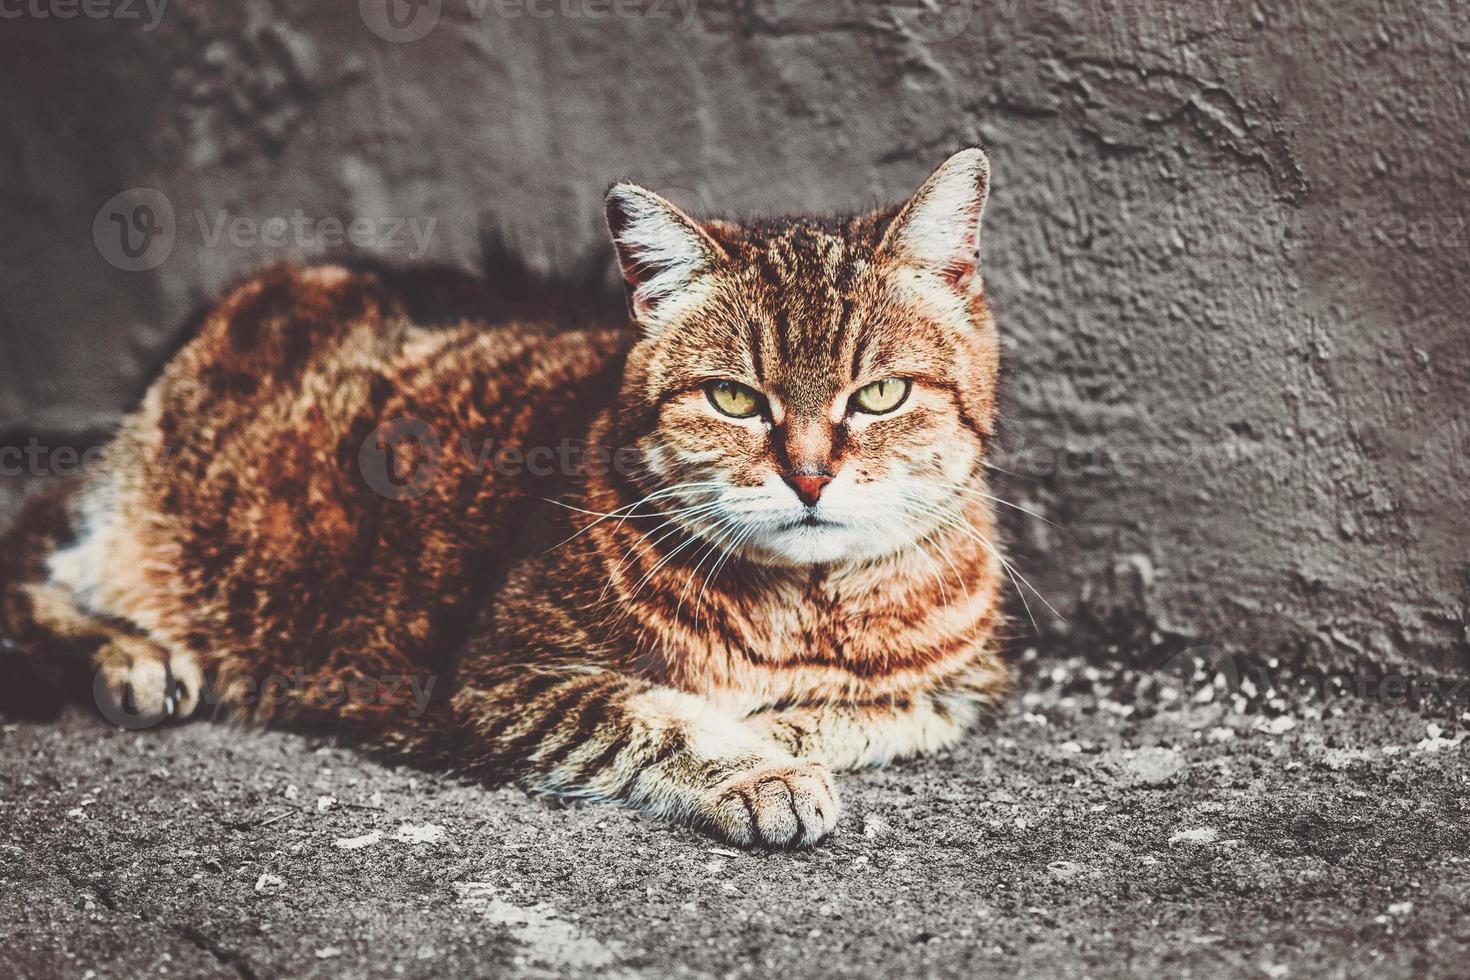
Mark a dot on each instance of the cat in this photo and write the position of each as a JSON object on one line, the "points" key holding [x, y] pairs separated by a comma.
{"points": [[756, 545]]}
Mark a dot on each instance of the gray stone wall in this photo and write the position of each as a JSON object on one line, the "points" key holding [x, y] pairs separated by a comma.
{"points": [[1228, 240]]}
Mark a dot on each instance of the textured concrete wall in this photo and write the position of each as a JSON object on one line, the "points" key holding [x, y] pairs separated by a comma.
{"points": [[1228, 239]]}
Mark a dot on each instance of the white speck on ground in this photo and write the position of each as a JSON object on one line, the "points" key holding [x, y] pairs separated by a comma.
{"points": [[1434, 739], [999, 821], [549, 940], [429, 833], [357, 843], [1153, 766], [1279, 725], [1199, 835], [269, 884]]}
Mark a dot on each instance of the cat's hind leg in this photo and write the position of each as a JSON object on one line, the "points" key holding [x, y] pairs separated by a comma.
{"points": [[135, 682], [53, 649]]}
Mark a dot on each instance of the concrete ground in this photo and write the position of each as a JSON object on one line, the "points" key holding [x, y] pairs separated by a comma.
{"points": [[1112, 822]]}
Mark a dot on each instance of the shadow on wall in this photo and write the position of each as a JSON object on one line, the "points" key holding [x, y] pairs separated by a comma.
{"points": [[1233, 297]]}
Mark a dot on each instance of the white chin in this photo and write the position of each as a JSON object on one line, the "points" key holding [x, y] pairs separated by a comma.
{"points": [[822, 545]]}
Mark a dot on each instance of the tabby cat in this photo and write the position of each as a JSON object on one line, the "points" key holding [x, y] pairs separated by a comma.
{"points": [[693, 560]]}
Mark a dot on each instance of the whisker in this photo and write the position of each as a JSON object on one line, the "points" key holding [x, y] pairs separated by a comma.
{"points": [[604, 515], [748, 530], [727, 532], [962, 488], [626, 511], [892, 524], [660, 564], [959, 523], [672, 526]]}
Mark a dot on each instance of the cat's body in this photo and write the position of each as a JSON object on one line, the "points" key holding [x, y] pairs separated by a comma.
{"points": [[621, 583]]}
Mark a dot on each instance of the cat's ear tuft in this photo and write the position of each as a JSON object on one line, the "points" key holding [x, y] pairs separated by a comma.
{"points": [[939, 228], [661, 250]]}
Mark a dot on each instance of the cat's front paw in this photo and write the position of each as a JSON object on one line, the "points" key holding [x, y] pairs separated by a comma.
{"points": [[138, 685], [782, 805]]}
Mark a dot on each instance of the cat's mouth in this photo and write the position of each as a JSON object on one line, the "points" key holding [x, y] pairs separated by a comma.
{"points": [[770, 528]]}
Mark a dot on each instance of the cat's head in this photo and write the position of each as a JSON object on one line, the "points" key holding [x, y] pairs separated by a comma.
{"points": [[810, 392]]}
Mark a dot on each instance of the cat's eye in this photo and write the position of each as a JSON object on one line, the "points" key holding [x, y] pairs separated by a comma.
{"points": [[734, 399], [881, 396]]}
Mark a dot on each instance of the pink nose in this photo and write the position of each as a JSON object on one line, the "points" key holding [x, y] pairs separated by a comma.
{"points": [[808, 486]]}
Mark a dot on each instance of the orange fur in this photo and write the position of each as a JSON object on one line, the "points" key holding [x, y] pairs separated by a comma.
{"points": [[669, 625]]}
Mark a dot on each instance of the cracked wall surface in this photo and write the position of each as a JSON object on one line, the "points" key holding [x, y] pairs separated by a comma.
{"points": [[1228, 241]]}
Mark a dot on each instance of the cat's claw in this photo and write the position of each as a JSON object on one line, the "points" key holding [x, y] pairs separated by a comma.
{"points": [[138, 685], [785, 805]]}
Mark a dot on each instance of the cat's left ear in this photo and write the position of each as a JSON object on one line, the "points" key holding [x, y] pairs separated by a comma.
{"points": [[939, 228], [661, 250]]}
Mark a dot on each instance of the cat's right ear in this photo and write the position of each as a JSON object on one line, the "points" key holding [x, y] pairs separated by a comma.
{"points": [[662, 252], [938, 230]]}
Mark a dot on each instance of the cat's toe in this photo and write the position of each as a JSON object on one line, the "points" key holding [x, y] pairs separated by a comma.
{"points": [[790, 805], [137, 685], [187, 686]]}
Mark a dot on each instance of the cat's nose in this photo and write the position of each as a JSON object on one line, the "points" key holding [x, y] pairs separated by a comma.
{"points": [[808, 486]]}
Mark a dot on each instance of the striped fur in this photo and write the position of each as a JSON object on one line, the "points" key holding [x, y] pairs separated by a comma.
{"points": [[603, 631]]}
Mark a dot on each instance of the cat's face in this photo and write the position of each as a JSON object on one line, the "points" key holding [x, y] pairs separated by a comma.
{"points": [[811, 394]]}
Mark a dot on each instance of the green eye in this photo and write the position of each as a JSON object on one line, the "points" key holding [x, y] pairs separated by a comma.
{"points": [[734, 399], [881, 396]]}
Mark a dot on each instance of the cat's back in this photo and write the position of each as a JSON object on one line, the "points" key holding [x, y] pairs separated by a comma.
{"points": [[316, 464]]}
